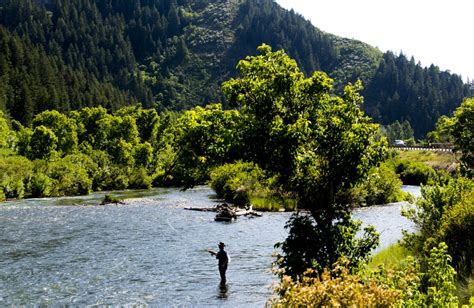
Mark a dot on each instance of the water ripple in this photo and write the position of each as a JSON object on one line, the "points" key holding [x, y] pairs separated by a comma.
{"points": [[149, 251]]}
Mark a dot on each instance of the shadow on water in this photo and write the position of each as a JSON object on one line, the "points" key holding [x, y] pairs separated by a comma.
{"points": [[223, 290]]}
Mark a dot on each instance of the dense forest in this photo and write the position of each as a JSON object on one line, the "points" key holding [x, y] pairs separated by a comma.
{"points": [[174, 54]]}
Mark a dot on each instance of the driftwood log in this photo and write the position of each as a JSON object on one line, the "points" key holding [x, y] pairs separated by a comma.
{"points": [[226, 212]]}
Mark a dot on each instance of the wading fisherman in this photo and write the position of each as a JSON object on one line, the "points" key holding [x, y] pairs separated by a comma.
{"points": [[221, 255]]}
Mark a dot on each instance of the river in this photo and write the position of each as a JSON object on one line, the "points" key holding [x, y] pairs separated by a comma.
{"points": [[150, 251]]}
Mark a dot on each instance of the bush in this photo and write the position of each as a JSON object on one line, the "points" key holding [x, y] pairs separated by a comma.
{"points": [[335, 288], [235, 182], [40, 185], [457, 222], [139, 179], [116, 179], [445, 214], [12, 187], [109, 199], [311, 244], [381, 187], [415, 173], [70, 179], [14, 172], [401, 287]]}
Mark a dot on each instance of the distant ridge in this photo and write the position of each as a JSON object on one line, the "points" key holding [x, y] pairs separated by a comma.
{"points": [[174, 54]]}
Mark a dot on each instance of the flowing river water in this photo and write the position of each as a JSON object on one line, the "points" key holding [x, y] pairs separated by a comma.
{"points": [[150, 251]]}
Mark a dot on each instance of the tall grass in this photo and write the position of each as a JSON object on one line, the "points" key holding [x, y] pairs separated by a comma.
{"points": [[390, 257], [272, 203], [448, 161]]}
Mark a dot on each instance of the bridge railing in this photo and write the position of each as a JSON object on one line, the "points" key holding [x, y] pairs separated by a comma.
{"points": [[424, 148]]}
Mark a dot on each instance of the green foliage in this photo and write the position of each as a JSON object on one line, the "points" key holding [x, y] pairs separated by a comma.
{"points": [[390, 258], [319, 145], [109, 199], [122, 153], [382, 186], [69, 178], [442, 133], [104, 149], [43, 143], [445, 214], [204, 138], [457, 222], [310, 245], [14, 172], [143, 154], [139, 179], [399, 287], [236, 182], [64, 129], [398, 131], [415, 173], [4, 130], [94, 125], [41, 185], [405, 91], [462, 131], [12, 187]]}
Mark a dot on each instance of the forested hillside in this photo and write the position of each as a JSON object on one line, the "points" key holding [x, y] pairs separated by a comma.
{"points": [[174, 54]]}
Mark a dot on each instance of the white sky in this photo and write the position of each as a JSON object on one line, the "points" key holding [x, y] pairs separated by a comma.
{"points": [[433, 31]]}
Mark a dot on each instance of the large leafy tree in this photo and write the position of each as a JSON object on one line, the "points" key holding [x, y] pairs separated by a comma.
{"points": [[4, 130], [463, 133], [63, 127], [318, 143], [204, 138], [458, 129], [43, 143]]}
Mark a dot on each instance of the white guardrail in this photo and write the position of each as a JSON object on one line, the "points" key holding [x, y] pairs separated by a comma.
{"points": [[422, 148]]}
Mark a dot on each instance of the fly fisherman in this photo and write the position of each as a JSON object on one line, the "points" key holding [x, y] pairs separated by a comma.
{"points": [[221, 255]]}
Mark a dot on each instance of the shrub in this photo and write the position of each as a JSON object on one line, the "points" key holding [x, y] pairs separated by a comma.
{"points": [[400, 287], [116, 179], [415, 173], [70, 179], [445, 214], [457, 222], [381, 187], [109, 199], [235, 182], [311, 244], [12, 187], [139, 179], [14, 172], [335, 288], [40, 185], [143, 154]]}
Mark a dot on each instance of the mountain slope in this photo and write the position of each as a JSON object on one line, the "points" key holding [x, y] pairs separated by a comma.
{"points": [[174, 54]]}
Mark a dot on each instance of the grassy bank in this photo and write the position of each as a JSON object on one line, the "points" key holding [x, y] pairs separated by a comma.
{"points": [[390, 257], [448, 161]]}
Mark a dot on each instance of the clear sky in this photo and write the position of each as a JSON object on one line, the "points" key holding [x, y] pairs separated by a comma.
{"points": [[433, 31]]}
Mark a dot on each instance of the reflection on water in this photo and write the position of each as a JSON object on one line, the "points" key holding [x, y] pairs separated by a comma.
{"points": [[148, 252], [223, 290]]}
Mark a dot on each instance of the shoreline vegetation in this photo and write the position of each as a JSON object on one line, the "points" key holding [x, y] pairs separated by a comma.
{"points": [[290, 140]]}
